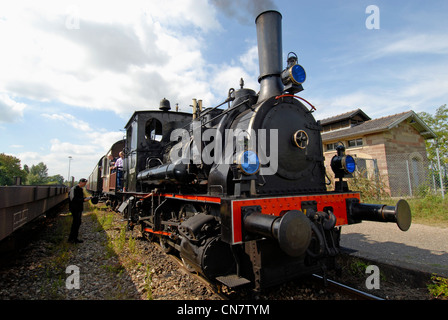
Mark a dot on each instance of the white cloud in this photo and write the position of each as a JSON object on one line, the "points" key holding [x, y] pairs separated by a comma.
{"points": [[107, 56], [89, 146], [10, 110], [68, 119], [115, 58], [70, 148], [249, 61], [413, 43]]}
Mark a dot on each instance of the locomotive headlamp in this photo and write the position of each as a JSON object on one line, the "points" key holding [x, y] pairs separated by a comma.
{"points": [[294, 75], [248, 162], [342, 164], [297, 74], [349, 164]]}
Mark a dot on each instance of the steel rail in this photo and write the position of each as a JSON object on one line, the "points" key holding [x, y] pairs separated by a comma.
{"points": [[346, 289]]}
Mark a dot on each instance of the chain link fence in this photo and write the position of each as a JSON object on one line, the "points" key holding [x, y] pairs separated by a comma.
{"points": [[401, 175]]}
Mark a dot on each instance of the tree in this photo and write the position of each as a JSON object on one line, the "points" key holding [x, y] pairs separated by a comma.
{"points": [[439, 124], [56, 179], [38, 174], [10, 168]]}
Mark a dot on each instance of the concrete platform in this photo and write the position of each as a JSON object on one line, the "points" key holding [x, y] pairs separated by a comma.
{"points": [[421, 248]]}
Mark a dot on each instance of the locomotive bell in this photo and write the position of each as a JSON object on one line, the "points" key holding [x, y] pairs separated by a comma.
{"points": [[164, 105]]}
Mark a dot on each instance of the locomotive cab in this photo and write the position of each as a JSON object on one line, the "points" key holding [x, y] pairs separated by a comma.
{"points": [[147, 141]]}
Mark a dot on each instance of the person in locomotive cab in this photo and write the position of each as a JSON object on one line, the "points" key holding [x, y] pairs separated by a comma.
{"points": [[119, 168], [76, 205]]}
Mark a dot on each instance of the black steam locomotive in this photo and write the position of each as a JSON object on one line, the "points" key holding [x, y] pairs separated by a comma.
{"points": [[240, 192]]}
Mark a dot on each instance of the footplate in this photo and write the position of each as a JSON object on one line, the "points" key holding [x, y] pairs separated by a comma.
{"points": [[233, 280]]}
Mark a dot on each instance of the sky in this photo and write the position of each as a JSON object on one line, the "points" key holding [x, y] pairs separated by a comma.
{"points": [[73, 72]]}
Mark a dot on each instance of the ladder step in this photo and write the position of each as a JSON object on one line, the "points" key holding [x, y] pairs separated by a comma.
{"points": [[233, 280]]}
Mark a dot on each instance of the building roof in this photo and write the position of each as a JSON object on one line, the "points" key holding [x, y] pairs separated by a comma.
{"points": [[377, 125], [344, 116]]}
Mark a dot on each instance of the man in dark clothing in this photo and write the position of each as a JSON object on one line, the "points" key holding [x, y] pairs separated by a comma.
{"points": [[76, 205]]}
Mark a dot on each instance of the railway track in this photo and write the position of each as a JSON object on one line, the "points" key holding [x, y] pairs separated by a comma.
{"points": [[327, 284], [194, 275], [345, 290]]}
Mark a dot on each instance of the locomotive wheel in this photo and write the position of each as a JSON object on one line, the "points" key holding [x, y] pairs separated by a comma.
{"points": [[165, 246]]}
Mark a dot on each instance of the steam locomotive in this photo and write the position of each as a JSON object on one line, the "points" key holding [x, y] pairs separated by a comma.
{"points": [[241, 192]]}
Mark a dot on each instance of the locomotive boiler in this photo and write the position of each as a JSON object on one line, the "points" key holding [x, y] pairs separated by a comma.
{"points": [[240, 191]]}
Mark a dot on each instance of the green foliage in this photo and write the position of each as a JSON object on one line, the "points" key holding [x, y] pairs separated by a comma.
{"points": [[357, 268], [438, 287], [370, 187], [38, 174], [10, 168], [439, 124]]}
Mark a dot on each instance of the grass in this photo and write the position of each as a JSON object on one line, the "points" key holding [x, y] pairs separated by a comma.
{"points": [[60, 252], [438, 287], [119, 249], [122, 244], [358, 268]]}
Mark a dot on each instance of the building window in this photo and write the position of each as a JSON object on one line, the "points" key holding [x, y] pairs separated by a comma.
{"points": [[331, 146], [355, 143]]}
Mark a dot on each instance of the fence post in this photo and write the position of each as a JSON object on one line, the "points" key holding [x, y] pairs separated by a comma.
{"points": [[440, 173], [433, 176], [409, 178], [376, 172]]}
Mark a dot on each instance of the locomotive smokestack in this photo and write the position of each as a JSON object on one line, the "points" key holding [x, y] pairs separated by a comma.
{"points": [[269, 37]]}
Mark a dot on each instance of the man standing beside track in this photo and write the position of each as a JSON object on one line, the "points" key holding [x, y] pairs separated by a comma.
{"points": [[76, 205]]}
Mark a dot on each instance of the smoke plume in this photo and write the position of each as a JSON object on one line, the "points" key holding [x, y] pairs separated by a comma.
{"points": [[244, 11]]}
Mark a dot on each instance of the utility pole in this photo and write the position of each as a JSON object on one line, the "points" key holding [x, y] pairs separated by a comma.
{"points": [[69, 160]]}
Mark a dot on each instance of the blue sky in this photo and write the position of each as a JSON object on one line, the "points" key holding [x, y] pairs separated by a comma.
{"points": [[73, 72]]}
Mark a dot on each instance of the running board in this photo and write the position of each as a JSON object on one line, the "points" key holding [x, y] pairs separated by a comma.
{"points": [[233, 280]]}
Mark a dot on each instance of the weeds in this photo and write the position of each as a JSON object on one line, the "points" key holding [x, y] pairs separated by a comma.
{"points": [[148, 283], [104, 220], [131, 244], [358, 268], [121, 243], [438, 288]]}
